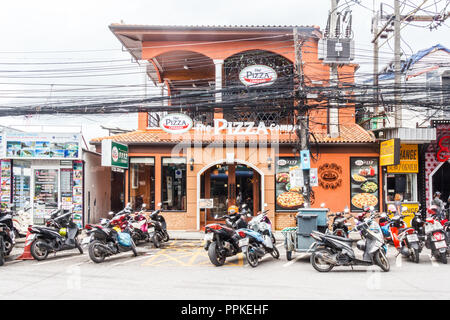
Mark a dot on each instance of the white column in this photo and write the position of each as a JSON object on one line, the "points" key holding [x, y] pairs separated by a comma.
{"points": [[219, 66]]}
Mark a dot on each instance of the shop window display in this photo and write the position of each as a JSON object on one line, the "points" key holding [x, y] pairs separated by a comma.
{"points": [[174, 184], [142, 182], [403, 184]]}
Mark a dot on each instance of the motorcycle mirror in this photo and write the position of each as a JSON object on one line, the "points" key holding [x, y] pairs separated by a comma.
{"points": [[249, 215], [159, 204], [244, 206], [144, 205], [265, 205], [110, 213], [346, 210], [322, 205]]}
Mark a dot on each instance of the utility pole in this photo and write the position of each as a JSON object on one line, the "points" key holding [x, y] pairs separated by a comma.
{"points": [[333, 111], [375, 65], [302, 116], [397, 66]]}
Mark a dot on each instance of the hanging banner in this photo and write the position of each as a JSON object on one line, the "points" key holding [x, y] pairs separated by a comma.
{"points": [[390, 152]]}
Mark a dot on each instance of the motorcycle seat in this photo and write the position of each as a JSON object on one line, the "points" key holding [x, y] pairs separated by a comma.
{"points": [[341, 238]]}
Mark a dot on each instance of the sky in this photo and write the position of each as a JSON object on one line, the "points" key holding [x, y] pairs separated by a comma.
{"points": [[48, 31]]}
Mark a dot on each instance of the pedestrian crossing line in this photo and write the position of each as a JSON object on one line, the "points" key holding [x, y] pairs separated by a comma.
{"points": [[294, 260]]}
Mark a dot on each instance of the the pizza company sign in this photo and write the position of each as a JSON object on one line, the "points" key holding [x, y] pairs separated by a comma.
{"points": [[257, 75], [176, 123]]}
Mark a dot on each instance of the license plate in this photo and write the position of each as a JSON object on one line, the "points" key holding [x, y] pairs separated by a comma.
{"points": [[152, 229], [243, 242], [86, 240], [440, 244], [412, 237], [209, 236]]}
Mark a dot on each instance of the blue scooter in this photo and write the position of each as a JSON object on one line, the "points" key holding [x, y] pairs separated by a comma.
{"points": [[256, 244]]}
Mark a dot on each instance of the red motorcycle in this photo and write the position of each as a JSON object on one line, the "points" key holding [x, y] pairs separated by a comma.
{"points": [[436, 237]]}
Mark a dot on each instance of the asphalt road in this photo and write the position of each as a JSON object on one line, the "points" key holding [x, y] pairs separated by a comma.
{"points": [[182, 270]]}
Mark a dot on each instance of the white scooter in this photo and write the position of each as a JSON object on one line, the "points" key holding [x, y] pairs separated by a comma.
{"points": [[22, 219]]}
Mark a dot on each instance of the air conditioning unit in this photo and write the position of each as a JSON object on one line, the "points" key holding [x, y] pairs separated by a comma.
{"points": [[335, 50]]}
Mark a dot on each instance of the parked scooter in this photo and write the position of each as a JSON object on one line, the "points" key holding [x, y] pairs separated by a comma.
{"points": [[110, 237], [22, 219], [7, 237], [257, 240], [406, 240], [60, 233], [158, 227], [330, 250], [140, 231], [221, 240], [340, 225], [435, 238]]}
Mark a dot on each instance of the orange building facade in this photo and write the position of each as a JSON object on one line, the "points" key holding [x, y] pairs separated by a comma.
{"points": [[227, 135]]}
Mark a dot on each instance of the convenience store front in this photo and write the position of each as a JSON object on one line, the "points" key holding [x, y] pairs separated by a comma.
{"points": [[44, 171], [196, 175]]}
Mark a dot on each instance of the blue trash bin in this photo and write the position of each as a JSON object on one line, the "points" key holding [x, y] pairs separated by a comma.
{"points": [[306, 223]]}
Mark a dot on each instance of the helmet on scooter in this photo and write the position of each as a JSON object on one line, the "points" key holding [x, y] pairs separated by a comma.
{"points": [[233, 210], [391, 208]]}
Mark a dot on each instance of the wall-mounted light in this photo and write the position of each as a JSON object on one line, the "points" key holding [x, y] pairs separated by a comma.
{"points": [[269, 163], [191, 162]]}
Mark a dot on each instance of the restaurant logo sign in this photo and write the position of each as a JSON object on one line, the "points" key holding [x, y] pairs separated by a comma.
{"points": [[330, 175], [443, 153], [114, 154], [258, 75], [176, 123]]}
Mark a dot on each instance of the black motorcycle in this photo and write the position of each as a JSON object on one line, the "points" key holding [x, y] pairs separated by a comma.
{"points": [[158, 223], [330, 250], [106, 239], [59, 234], [222, 240], [7, 240], [339, 224]]}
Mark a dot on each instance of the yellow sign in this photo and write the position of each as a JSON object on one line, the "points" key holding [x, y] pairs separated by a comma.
{"points": [[409, 160], [389, 152], [410, 213]]}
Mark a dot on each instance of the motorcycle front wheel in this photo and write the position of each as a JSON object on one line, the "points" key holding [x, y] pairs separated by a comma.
{"points": [[414, 255], [251, 256], [133, 248], [155, 240], [2, 251], [38, 251], [275, 253], [78, 245], [214, 255], [318, 263], [382, 261], [95, 253]]}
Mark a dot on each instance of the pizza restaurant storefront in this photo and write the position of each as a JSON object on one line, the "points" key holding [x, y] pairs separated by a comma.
{"points": [[196, 175]]}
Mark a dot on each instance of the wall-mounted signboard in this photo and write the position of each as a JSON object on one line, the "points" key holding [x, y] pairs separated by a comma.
{"points": [[114, 154], [258, 76], [409, 160], [364, 183], [42, 146]]}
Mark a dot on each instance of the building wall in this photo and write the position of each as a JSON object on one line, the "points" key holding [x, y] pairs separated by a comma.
{"points": [[206, 156], [98, 184]]}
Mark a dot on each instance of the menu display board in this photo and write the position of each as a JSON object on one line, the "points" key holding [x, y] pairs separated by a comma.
{"points": [[45, 191], [77, 192], [288, 184], [364, 183], [5, 180]]}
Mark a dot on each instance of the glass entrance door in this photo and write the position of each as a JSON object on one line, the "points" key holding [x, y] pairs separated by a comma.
{"points": [[228, 185], [45, 193]]}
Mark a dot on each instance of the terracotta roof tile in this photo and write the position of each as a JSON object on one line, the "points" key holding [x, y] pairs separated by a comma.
{"points": [[349, 133]]}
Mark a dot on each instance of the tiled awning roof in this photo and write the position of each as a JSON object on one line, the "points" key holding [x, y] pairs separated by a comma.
{"points": [[349, 133]]}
